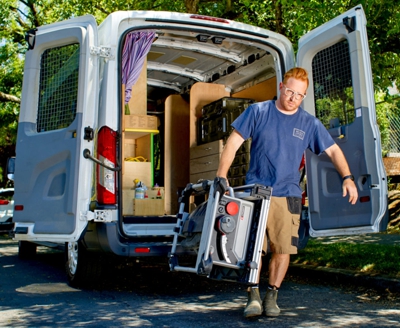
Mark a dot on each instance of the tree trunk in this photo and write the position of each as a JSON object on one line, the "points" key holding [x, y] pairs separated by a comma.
{"points": [[279, 19], [192, 6]]}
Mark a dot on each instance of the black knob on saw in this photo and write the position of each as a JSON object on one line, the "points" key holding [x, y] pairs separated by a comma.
{"points": [[227, 224]]}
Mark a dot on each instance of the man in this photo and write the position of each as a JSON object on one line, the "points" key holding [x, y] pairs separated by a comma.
{"points": [[281, 131]]}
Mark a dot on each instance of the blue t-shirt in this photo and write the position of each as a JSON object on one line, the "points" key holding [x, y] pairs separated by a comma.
{"points": [[278, 144]]}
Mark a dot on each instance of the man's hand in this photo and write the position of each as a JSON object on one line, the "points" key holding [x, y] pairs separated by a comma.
{"points": [[349, 188], [225, 180]]}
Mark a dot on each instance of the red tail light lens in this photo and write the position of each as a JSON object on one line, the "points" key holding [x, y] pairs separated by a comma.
{"points": [[364, 199], [142, 249], [4, 202], [210, 18], [106, 153]]}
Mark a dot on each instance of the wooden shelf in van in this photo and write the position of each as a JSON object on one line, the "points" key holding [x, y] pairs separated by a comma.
{"points": [[136, 133]]}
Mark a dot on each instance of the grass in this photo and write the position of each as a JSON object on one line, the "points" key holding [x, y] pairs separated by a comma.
{"points": [[367, 258], [361, 257]]}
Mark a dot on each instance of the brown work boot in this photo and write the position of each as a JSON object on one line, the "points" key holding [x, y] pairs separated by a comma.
{"points": [[253, 306], [270, 307]]}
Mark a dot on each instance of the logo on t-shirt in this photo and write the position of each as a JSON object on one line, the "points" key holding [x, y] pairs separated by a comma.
{"points": [[298, 133]]}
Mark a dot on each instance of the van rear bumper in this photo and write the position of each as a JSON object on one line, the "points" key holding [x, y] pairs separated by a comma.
{"points": [[106, 237]]}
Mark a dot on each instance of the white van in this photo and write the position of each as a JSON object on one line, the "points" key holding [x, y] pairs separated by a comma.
{"points": [[110, 108]]}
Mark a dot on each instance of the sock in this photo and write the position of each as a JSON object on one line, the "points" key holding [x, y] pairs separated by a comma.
{"points": [[273, 287]]}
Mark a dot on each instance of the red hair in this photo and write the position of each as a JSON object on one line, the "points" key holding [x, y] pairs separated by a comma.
{"points": [[297, 73]]}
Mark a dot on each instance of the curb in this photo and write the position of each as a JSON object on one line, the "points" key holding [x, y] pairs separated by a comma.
{"points": [[347, 277]]}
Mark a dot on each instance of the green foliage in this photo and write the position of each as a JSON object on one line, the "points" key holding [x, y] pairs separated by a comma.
{"points": [[295, 18], [383, 111], [336, 107], [369, 258], [11, 65]]}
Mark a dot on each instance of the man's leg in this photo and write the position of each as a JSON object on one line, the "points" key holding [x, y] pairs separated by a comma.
{"points": [[277, 268], [282, 228]]}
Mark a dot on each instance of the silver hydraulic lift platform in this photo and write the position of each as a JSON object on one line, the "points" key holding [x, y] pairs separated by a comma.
{"points": [[227, 230]]}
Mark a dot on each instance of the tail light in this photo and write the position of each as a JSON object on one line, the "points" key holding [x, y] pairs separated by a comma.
{"points": [[4, 202], [106, 153], [142, 249], [210, 18]]}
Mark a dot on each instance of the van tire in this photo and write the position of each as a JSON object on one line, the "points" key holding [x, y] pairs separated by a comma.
{"points": [[26, 250], [83, 268]]}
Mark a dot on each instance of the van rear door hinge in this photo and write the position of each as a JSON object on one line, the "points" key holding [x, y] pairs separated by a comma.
{"points": [[102, 51], [30, 37], [88, 134], [350, 24]]}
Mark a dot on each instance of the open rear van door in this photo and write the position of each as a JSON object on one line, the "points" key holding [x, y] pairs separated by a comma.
{"points": [[341, 95], [53, 181]]}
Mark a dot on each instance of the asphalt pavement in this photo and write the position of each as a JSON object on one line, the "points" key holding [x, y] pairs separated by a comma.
{"points": [[340, 276], [377, 282]]}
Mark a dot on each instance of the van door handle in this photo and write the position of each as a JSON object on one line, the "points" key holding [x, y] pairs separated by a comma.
{"points": [[86, 154]]}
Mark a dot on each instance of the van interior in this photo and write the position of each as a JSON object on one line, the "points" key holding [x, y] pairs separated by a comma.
{"points": [[177, 114]]}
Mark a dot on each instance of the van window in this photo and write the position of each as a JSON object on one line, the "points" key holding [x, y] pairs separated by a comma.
{"points": [[58, 88], [333, 87]]}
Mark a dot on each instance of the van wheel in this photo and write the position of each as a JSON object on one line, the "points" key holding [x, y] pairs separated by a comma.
{"points": [[82, 267], [26, 250]]}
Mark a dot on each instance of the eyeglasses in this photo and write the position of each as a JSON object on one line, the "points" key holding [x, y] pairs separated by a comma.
{"points": [[291, 93]]}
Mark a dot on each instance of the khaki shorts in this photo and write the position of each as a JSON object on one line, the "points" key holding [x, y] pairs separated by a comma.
{"points": [[283, 225]]}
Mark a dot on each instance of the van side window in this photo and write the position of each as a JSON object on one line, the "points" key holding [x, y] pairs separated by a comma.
{"points": [[333, 86], [58, 88]]}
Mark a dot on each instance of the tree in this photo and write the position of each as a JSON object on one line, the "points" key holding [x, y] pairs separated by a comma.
{"points": [[295, 18]]}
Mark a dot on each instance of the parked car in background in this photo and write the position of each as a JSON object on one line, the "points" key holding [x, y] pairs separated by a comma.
{"points": [[6, 205]]}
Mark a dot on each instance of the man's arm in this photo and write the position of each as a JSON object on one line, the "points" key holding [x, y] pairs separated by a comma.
{"points": [[339, 161], [228, 154]]}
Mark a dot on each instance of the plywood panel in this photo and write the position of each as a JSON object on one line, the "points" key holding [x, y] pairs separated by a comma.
{"points": [[136, 170], [129, 149], [143, 147], [138, 101], [143, 207], [261, 92], [127, 201], [202, 94], [176, 153]]}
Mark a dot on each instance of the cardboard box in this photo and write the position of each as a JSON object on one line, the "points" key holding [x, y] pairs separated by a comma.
{"points": [[141, 122], [147, 206]]}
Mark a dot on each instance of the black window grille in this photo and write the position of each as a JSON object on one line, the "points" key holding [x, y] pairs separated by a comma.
{"points": [[333, 85], [58, 88]]}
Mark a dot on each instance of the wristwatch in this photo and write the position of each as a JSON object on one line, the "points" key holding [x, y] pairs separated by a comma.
{"points": [[351, 177]]}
